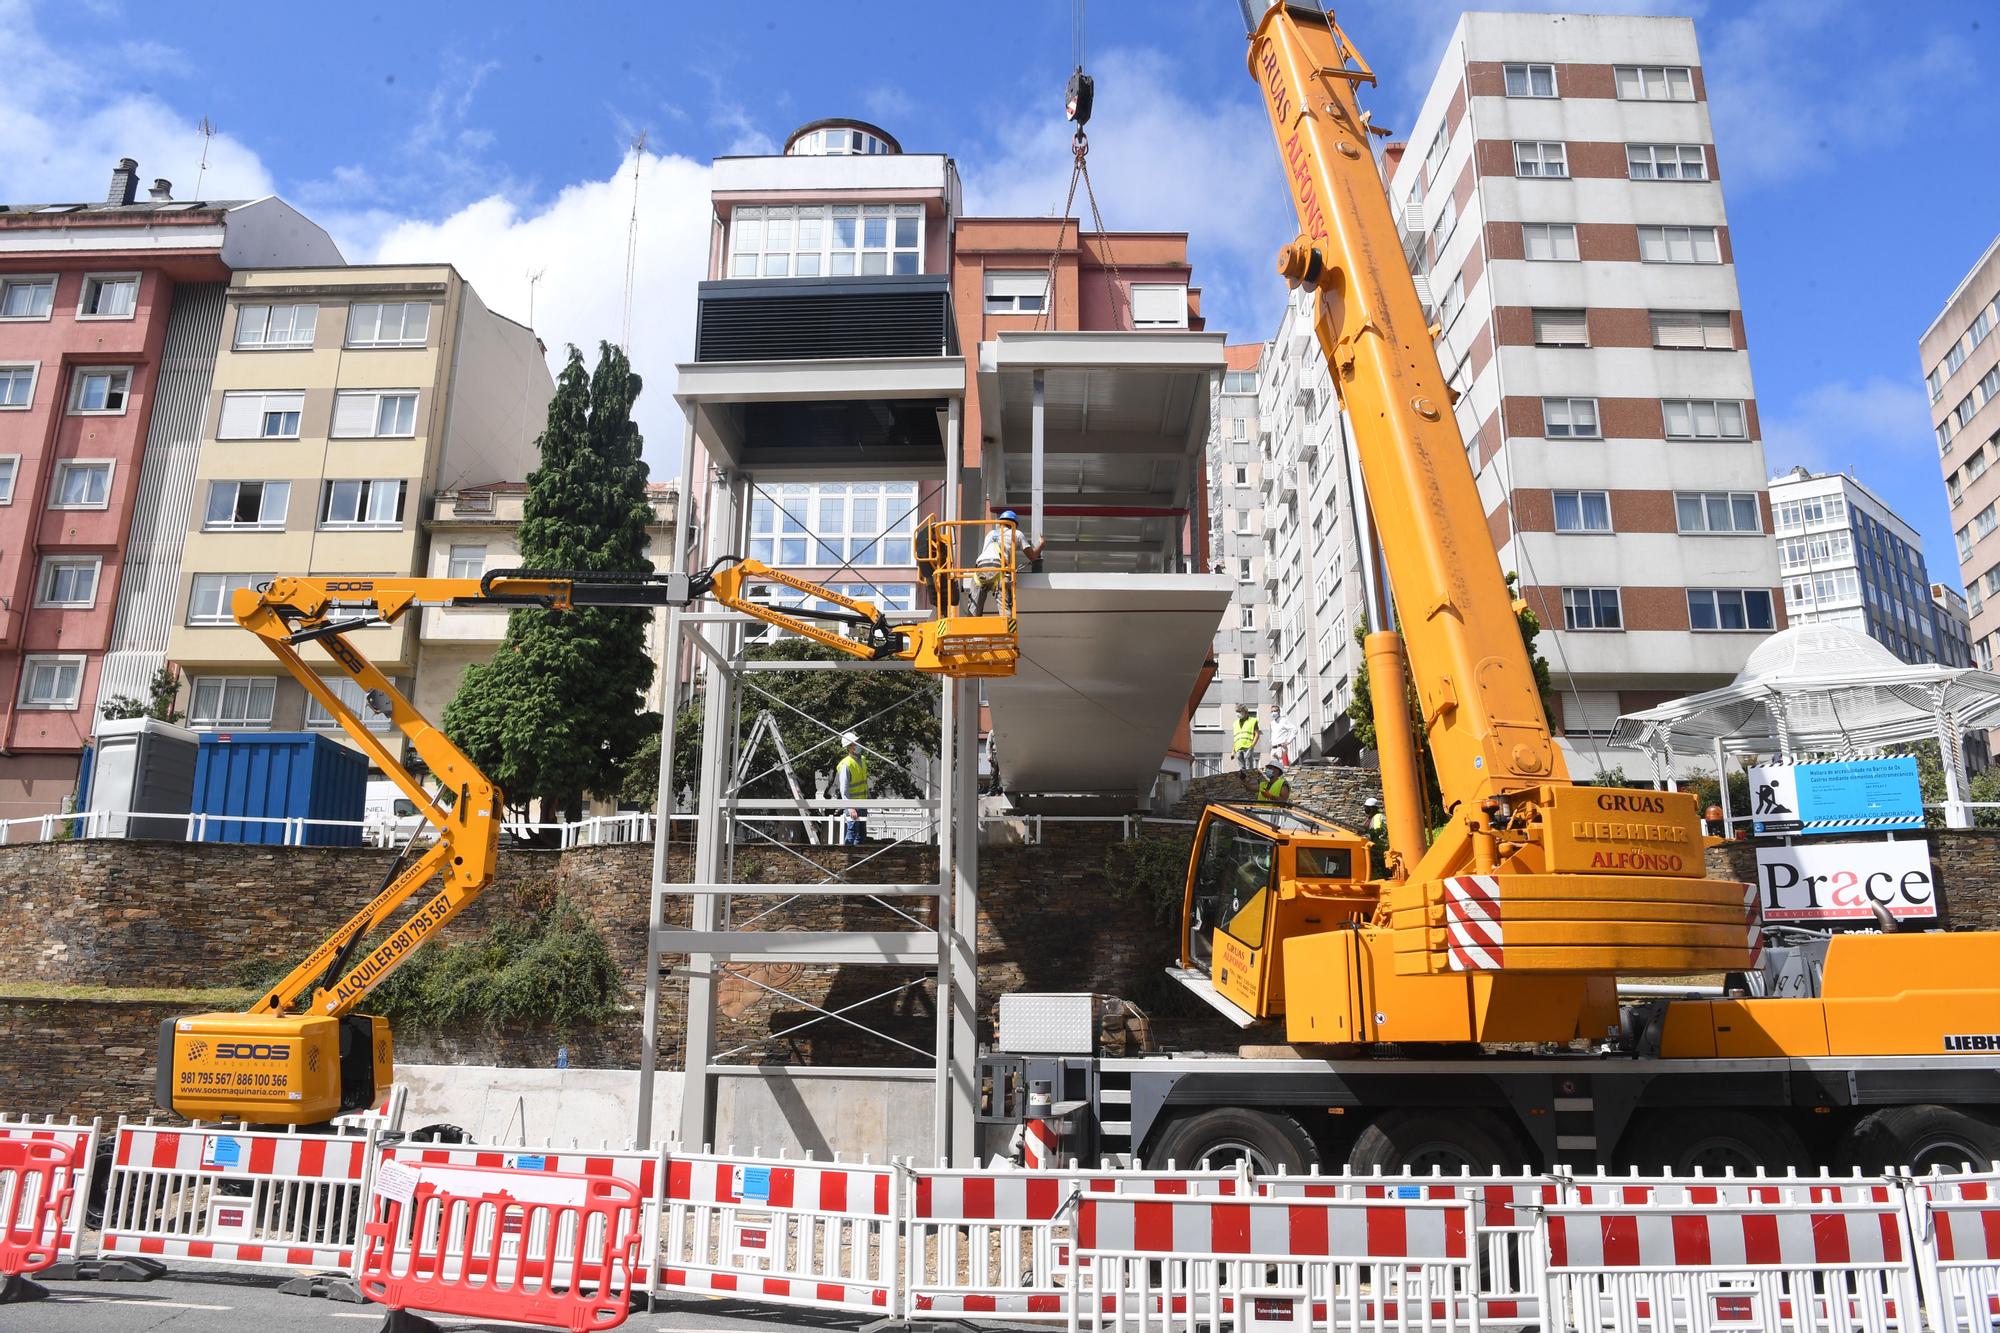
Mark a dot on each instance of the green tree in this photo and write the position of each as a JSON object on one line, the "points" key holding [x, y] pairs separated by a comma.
{"points": [[1983, 786], [161, 693], [895, 713], [559, 711]]}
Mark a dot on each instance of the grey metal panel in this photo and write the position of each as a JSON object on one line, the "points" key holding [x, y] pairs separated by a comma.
{"points": [[149, 583]]}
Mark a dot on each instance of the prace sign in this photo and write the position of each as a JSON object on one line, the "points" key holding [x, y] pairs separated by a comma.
{"points": [[1839, 881]]}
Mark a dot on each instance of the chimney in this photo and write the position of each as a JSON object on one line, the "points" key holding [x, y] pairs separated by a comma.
{"points": [[124, 182], [162, 191]]}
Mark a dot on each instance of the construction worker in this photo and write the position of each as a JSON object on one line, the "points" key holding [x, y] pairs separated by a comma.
{"points": [[1378, 835], [1002, 549], [1247, 728], [850, 783], [932, 550], [1276, 788]]}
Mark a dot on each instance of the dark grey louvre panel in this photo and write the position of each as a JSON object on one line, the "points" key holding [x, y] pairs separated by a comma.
{"points": [[793, 319]]}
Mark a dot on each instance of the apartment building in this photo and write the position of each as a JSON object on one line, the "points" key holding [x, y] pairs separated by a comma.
{"points": [[474, 530], [1848, 559], [1236, 548], [341, 399], [1954, 623], [110, 312], [1562, 201], [1961, 362], [1312, 573]]}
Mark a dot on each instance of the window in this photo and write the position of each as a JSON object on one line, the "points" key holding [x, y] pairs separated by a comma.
{"points": [[1989, 386], [1569, 418], [1703, 419], [1239, 429], [108, 296], [1666, 162], [1531, 80], [1561, 328], [1159, 305], [362, 504], [1434, 155], [1246, 616], [1955, 357], [1242, 475], [275, 326], [839, 141], [27, 298], [209, 597], [1730, 609], [82, 484], [1654, 83], [1239, 381], [1583, 511], [375, 413], [1243, 571], [352, 697], [394, 324], [1814, 509], [1817, 549], [17, 384], [1451, 295], [1935, 383], [1707, 329], [268, 415], [859, 523], [1016, 293], [10, 468], [1592, 608], [1549, 240], [1981, 326], [231, 701], [51, 682], [1445, 223], [1679, 245], [99, 391], [1249, 667], [69, 581], [835, 240], [1961, 416], [1534, 158], [247, 504], [467, 562], [1717, 511]]}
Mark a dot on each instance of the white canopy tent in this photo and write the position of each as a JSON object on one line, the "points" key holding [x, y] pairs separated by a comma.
{"points": [[1825, 692]]}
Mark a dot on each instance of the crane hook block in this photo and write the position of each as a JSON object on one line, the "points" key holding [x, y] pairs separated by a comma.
{"points": [[1076, 105]]}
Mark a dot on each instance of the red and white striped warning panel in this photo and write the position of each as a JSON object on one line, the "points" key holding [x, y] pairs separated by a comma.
{"points": [[1725, 1236], [642, 1170], [1472, 917], [250, 1199], [1961, 1266], [784, 1231], [81, 1140], [1283, 1228]]}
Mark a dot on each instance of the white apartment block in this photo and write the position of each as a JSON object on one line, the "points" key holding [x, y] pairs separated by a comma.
{"points": [[1848, 559], [1961, 360], [1236, 547], [1561, 199], [1311, 575]]}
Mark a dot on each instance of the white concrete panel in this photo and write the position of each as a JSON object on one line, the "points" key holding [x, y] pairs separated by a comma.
{"points": [[1647, 559], [1614, 284], [1583, 39], [803, 174], [1633, 465], [1639, 659], [1603, 199], [1590, 120], [1107, 664], [1625, 372]]}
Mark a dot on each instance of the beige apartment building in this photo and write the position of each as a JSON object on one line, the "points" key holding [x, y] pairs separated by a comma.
{"points": [[342, 399]]}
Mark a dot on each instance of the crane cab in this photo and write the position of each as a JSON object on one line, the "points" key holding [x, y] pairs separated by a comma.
{"points": [[1258, 875]]}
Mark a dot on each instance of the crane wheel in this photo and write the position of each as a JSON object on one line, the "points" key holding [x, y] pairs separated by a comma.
{"points": [[1216, 1140], [1713, 1140], [1920, 1139], [1420, 1140]]}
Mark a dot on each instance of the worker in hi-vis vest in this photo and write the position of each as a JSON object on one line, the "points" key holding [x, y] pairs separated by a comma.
{"points": [[850, 783], [1276, 788], [1246, 741]]}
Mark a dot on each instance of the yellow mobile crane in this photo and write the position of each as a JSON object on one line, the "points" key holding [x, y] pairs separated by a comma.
{"points": [[304, 1052], [1463, 1008]]}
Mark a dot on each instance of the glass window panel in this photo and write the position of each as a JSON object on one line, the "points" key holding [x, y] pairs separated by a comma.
{"points": [[792, 551]]}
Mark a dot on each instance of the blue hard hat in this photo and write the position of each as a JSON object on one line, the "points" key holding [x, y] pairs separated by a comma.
{"points": [[1010, 516]]}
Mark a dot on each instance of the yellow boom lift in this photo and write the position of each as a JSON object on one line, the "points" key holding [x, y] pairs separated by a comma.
{"points": [[304, 1052]]}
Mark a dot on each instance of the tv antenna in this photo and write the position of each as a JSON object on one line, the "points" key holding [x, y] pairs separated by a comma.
{"points": [[534, 277], [632, 239], [207, 136]]}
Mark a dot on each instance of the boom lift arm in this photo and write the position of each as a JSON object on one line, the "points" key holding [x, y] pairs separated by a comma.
{"points": [[303, 1052]]}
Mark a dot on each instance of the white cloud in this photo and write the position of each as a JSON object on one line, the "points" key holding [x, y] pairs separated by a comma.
{"points": [[152, 57], [577, 241], [888, 103], [1830, 426]]}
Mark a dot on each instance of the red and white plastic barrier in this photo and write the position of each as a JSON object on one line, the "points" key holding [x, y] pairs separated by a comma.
{"points": [[550, 1248], [37, 1185], [825, 1235], [81, 1140], [1959, 1218], [245, 1198]]}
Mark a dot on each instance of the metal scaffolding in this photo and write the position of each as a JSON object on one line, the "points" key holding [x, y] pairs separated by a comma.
{"points": [[716, 936]]}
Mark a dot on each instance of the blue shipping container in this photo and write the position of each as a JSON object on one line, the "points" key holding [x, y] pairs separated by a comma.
{"points": [[264, 778]]}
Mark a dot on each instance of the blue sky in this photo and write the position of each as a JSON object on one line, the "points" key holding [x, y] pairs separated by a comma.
{"points": [[1855, 138]]}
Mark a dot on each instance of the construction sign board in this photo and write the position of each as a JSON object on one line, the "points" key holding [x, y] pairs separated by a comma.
{"points": [[1852, 796], [1837, 881]]}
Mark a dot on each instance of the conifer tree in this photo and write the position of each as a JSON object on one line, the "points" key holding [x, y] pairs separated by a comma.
{"points": [[561, 708]]}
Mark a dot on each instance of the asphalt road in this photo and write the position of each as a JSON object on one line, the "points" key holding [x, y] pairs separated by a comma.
{"points": [[219, 1301]]}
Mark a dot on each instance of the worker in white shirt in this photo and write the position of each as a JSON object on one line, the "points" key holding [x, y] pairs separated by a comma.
{"points": [[1002, 548]]}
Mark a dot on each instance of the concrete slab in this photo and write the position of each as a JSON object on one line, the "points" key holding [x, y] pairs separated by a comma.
{"points": [[1107, 664]]}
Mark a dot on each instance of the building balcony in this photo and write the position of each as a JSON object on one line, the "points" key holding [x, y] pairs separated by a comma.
{"points": [[801, 319]]}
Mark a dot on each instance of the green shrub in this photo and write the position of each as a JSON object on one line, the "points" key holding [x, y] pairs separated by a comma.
{"points": [[1154, 870], [549, 968]]}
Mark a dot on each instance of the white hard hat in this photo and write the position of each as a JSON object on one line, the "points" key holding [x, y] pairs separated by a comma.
{"points": [[849, 738]]}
